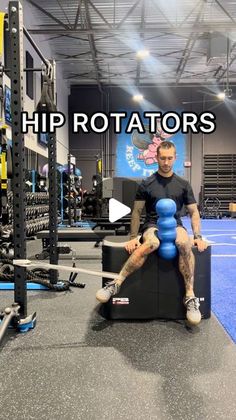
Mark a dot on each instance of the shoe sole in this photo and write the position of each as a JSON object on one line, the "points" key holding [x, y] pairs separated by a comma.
{"points": [[194, 322], [102, 300]]}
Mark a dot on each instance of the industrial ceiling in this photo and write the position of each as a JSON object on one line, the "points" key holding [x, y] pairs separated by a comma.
{"points": [[96, 41]]}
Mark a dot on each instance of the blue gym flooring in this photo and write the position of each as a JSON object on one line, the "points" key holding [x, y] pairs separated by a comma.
{"points": [[222, 236]]}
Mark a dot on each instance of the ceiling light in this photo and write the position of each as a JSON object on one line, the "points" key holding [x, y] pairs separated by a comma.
{"points": [[138, 98], [142, 54], [221, 96]]}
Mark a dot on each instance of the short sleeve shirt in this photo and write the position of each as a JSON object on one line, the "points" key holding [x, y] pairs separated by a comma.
{"points": [[156, 187]]}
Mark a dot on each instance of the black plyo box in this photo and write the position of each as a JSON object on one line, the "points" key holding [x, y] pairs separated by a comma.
{"points": [[156, 290]]}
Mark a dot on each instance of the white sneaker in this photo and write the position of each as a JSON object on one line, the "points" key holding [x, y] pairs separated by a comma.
{"points": [[110, 289], [193, 314]]}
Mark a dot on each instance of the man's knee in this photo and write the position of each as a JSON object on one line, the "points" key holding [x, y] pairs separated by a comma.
{"points": [[150, 245], [183, 245], [150, 239]]}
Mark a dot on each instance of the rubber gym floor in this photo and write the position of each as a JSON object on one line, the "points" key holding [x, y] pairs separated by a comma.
{"points": [[76, 365]]}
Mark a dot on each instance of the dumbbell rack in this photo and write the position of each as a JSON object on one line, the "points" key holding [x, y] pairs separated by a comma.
{"points": [[37, 219], [219, 179], [68, 193], [36, 210]]}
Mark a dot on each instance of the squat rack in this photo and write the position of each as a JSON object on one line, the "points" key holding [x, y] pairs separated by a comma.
{"points": [[16, 31]]}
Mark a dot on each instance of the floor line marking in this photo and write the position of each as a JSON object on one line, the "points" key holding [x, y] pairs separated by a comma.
{"points": [[226, 244], [219, 234], [223, 255]]}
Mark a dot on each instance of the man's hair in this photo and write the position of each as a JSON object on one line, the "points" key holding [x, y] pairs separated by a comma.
{"points": [[165, 145]]}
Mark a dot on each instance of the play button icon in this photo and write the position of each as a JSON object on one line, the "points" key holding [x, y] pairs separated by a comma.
{"points": [[117, 210]]}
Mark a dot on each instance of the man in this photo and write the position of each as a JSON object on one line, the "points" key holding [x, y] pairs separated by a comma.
{"points": [[162, 184]]}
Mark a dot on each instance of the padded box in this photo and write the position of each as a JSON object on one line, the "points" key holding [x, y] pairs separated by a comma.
{"points": [[232, 206], [156, 290]]}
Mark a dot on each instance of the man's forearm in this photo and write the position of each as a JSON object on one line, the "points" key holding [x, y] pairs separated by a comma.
{"points": [[134, 225], [196, 223], [135, 218]]}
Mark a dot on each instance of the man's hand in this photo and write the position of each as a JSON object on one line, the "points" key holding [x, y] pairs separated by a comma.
{"points": [[201, 244], [131, 245]]}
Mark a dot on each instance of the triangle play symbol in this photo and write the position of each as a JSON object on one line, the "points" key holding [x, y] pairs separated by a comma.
{"points": [[117, 210]]}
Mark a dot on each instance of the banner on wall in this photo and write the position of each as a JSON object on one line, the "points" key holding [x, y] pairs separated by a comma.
{"points": [[136, 153]]}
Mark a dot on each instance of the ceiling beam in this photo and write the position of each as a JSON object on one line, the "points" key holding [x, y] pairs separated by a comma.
{"points": [[230, 64], [48, 14], [99, 14], [149, 29], [64, 13], [130, 11], [146, 39], [77, 14], [172, 84], [221, 67], [92, 45], [191, 73], [68, 56], [189, 46], [138, 69], [75, 37], [75, 75], [190, 13], [154, 2], [225, 11]]}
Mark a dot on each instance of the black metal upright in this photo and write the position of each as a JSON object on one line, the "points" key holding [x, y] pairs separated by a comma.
{"points": [[18, 183], [53, 198], [53, 235], [69, 188]]}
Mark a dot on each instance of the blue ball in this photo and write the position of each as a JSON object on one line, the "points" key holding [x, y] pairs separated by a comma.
{"points": [[166, 223], [166, 207], [167, 235], [167, 250]]}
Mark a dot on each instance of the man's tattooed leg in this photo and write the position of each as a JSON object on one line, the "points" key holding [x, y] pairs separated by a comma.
{"points": [[186, 266], [139, 256]]}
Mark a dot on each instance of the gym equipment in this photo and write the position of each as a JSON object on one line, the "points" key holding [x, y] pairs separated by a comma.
{"points": [[46, 104], [92, 202], [157, 289], [219, 180], [34, 181], [232, 209], [18, 212], [36, 279], [11, 316], [1, 67], [166, 224], [3, 177], [68, 191], [75, 234], [46, 252], [27, 263], [211, 208], [37, 218], [78, 172]]}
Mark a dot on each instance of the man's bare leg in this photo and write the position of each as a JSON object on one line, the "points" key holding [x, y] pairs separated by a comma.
{"points": [[186, 259], [186, 267], [134, 262]]}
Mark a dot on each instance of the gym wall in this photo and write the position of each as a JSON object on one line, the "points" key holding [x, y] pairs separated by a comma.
{"points": [[85, 146], [87, 99]]}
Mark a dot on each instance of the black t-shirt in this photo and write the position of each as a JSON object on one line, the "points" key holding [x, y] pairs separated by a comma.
{"points": [[156, 187]]}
